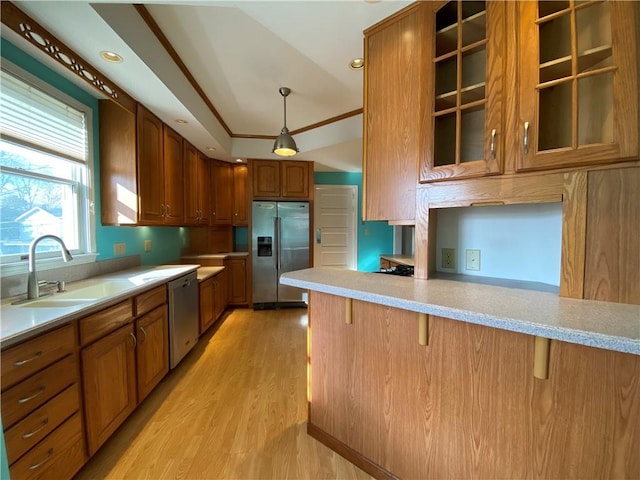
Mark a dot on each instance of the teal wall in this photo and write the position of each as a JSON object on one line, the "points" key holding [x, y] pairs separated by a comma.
{"points": [[165, 241], [374, 238]]}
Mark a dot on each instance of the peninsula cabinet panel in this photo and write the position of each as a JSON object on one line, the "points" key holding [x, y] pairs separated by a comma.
{"points": [[467, 404], [109, 384], [612, 249], [578, 83], [395, 71]]}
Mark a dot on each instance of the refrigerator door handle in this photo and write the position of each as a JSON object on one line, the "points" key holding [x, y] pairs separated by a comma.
{"points": [[279, 246]]}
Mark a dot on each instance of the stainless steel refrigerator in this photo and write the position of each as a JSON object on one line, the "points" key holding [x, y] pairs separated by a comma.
{"points": [[280, 243]]}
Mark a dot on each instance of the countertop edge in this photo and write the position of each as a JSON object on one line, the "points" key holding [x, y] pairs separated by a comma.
{"points": [[571, 335], [61, 319]]}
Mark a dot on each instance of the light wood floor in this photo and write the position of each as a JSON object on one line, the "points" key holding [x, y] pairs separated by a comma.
{"points": [[234, 408]]}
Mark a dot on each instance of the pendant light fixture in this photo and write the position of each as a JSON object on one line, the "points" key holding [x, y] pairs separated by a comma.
{"points": [[285, 145]]}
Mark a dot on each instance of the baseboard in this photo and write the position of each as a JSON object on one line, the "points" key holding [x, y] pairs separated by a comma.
{"points": [[350, 454]]}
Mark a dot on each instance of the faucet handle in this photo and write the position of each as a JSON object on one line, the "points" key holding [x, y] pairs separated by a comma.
{"points": [[59, 283]]}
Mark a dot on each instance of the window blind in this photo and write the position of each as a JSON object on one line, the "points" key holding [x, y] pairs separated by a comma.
{"points": [[33, 118]]}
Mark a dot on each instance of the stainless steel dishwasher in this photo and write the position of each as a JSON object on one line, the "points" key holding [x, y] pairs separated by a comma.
{"points": [[183, 316]]}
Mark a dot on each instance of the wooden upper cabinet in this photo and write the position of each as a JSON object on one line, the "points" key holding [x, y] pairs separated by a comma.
{"points": [[294, 179], [282, 179], [266, 178], [173, 178], [240, 199], [395, 67], [464, 133], [578, 88], [196, 186], [150, 168], [222, 198]]}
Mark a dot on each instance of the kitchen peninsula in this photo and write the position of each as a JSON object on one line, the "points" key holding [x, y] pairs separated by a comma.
{"points": [[434, 378]]}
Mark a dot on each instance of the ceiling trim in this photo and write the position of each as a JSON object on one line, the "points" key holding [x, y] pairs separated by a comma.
{"points": [[155, 29], [40, 37]]}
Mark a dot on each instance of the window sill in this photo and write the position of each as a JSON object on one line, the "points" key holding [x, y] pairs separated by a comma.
{"points": [[20, 268]]}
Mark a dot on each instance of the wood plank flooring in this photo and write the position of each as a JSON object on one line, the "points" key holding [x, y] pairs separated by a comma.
{"points": [[234, 408]]}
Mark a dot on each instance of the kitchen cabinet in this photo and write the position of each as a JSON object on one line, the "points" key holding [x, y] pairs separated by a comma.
{"points": [[395, 71], [281, 179], [41, 410], [125, 354], [577, 93], [222, 195], [141, 168], [213, 299], [237, 281], [465, 127], [109, 384], [240, 196], [400, 409], [196, 173]]}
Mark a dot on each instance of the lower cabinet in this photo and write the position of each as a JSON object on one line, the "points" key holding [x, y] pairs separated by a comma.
{"points": [[41, 408], [467, 405], [123, 366], [213, 299], [237, 268]]}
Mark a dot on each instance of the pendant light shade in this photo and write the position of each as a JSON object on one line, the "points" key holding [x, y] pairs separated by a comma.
{"points": [[285, 145]]}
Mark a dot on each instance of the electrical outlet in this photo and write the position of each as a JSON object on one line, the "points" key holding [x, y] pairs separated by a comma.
{"points": [[473, 260], [119, 248], [449, 258], [147, 245]]}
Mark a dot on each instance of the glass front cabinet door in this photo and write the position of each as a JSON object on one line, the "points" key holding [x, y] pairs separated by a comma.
{"points": [[578, 83], [464, 124]]}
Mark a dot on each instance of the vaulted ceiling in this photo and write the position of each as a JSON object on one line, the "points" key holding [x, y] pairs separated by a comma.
{"points": [[238, 54]]}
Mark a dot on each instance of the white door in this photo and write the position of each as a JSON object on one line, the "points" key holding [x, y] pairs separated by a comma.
{"points": [[336, 222]]}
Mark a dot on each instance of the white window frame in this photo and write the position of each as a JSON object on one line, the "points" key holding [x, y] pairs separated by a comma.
{"points": [[11, 265]]}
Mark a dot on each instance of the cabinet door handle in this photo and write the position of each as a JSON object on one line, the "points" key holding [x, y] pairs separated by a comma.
{"points": [[19, 363], [31, 434], [163, 210], [35, 466], [135, 341], [145, 334], [493, 144], [525, 141], [28, 399], [167, 209]]}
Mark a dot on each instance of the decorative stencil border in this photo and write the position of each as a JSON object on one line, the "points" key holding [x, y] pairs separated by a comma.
{"points": [[29, 29]]}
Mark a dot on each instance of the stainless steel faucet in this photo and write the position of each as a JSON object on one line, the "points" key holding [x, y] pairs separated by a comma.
{"points": [[33, 290]]}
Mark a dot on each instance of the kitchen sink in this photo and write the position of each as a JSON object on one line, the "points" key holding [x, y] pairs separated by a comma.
{"points": [[100, 290], [55, 303]]}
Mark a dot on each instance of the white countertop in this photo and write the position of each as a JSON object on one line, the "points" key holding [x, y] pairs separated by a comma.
{"points": [[397, 258], [20, 322], [207, 272], [611, 326], [219, 256]]}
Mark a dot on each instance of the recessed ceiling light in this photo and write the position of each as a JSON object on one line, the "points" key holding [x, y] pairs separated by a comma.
{"points": [[239, 160], [111, 57], [181, 120], [211, 149], [356, 64]]}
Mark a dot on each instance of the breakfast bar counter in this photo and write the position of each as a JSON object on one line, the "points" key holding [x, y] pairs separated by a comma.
{"points": [[414, 378]]}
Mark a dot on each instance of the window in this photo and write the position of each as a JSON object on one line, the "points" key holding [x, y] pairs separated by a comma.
{"points": [[45, 172]]}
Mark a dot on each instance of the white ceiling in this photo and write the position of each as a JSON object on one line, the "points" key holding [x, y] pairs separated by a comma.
{"points": [[240, 53]]}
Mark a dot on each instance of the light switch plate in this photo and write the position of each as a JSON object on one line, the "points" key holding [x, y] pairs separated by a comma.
{"points": [[473, 260], [119, 248], [147, 245]]}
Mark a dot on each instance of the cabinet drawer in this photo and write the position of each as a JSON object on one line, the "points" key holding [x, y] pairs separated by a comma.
{"points": [[147, 301], [26, 433], [19, 401], [101, 323], [58, 456], [22, 360]]}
